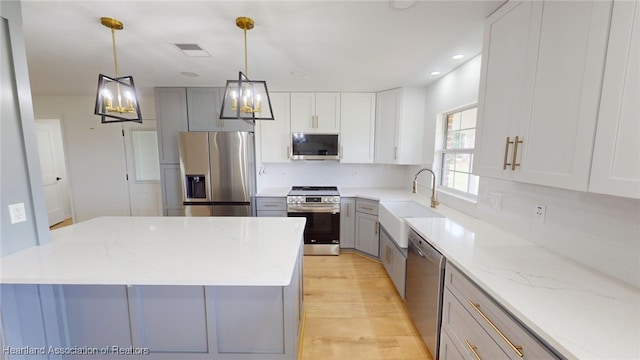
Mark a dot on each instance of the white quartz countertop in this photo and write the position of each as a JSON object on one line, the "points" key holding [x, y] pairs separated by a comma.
{"points": [[210, 251], [580, 312]]}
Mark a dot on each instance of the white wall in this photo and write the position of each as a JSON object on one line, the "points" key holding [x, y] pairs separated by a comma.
{"points": [[94, 154], [602, 232]]}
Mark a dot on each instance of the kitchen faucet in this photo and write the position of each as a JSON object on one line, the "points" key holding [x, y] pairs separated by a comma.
{"points": [[434, 198]]}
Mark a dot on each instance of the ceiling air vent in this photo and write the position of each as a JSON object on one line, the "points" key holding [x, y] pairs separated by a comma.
{"points": [[192, 50]]}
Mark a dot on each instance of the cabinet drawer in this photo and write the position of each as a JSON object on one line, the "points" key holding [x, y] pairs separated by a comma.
{"points": [[367, 206], [466, 333], [268, 213], [271, 204], [495, 320]]}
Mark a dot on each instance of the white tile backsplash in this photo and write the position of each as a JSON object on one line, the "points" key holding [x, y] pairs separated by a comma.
{"points": [[600, 231], [329, 173]]}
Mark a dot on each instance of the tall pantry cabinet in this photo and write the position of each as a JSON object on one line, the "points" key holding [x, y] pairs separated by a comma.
{"points": [[543, 64]]}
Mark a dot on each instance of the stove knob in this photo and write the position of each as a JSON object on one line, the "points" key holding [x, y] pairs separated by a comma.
{"points": [[326, 200], [336, 199]]}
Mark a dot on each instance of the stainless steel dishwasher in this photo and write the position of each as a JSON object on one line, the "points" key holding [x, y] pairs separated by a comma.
{"points": [[425, 280]]}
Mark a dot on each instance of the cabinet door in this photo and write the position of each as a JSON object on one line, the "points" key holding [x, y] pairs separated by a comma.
{"points": [[203, 106], [410, 125], [367, 233], [502, 84], [347, 222], [275, 136], [303, 112], [616, 168], [387, 113], [559, 119], [171, 116], [327, 113], [169, 320], [357, 127], [171, 186]]}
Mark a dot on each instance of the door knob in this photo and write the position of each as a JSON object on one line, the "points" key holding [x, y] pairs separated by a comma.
{"points": [[58, 178]]}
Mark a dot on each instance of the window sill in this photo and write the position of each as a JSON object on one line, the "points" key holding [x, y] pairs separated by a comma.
{"points": [[471, 199]]}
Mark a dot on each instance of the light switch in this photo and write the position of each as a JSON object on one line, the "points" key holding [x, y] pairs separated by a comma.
{"points": [[17, 213]]}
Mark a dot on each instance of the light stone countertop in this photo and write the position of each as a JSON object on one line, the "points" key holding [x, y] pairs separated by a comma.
{"points": [[210, 251], [579, 311]]}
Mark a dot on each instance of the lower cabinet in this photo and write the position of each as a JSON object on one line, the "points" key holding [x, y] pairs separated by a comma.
{"points": [[347, 223], [479, 328], [394, 260], [271, 206], [367, 227]]}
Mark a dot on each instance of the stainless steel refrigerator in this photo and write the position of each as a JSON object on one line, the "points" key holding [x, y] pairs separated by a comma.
{"points": [[218, 173]]}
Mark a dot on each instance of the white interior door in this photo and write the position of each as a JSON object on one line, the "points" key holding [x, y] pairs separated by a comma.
{"points": [[143, 168], [54, 175]]}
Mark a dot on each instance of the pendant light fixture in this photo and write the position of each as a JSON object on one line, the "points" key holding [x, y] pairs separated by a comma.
{"points": [[116, 98], [246, 99]]}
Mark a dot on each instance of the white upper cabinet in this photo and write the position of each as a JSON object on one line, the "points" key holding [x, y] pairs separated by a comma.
{"points": [[315, 112], [539, 91], [616, 156], [399, 126], [275, 135], [357, 127]]}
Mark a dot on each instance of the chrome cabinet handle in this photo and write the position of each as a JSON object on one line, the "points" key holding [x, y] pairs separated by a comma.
{"points": [[366, 207], [288, 153], [376, 228], [348, 210], [395, 154], [516, 348], [473, 350]]}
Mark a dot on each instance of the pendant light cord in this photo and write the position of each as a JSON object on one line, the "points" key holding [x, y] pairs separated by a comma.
{"points": [[115, 55], [245, 53]]}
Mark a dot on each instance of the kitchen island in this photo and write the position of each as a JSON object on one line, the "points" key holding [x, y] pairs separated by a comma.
{"points": [[162, 287]]}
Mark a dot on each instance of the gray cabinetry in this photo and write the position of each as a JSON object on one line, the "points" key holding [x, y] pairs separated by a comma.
{"points": [[171, 116], [171, 190], [367, 227], [271, 206], [203, 105], [394, 260], [347, 223], [479, 327], [171, 322]]}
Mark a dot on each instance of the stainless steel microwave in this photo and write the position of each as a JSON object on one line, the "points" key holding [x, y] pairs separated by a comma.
{"points": [[306, 146]]}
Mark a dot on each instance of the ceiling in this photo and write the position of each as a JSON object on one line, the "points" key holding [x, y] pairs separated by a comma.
{"points": [[301, 45]]}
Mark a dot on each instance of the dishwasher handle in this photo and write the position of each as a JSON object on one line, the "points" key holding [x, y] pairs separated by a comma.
{"points": [[425, 250]]}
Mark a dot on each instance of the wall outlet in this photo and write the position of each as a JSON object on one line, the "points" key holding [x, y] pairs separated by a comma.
{"points": [[541, 210], [17, 213]]}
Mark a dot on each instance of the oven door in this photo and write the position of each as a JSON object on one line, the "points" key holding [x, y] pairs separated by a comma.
{"points": [[322, 228]]}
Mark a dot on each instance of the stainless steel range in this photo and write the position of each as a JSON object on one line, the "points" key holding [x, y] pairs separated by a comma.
{"points": [[320, 205]]}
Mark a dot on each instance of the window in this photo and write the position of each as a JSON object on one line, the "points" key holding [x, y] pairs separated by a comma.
{"points": [[145, 152], [457, 152]]}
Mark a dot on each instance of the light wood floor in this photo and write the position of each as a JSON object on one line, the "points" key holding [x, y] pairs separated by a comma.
{"points": [[64, 223], [353, 312]]}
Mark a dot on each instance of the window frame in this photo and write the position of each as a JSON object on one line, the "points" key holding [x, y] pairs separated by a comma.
{"points": [[443, 151]]}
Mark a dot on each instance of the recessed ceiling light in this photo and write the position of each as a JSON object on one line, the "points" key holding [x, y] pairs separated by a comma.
{"points": [[298, 73], [457, 56], [401, 4], [435, 73], [189, 74]]}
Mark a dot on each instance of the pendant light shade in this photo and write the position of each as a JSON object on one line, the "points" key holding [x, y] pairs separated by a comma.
{"points": [[116, 97], [246, 99]]}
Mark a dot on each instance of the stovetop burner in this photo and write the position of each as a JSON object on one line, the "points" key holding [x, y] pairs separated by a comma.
{"points": [[314, 190]]}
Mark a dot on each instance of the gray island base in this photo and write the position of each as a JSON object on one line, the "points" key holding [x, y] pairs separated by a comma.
{"points": [[56, 316]]}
